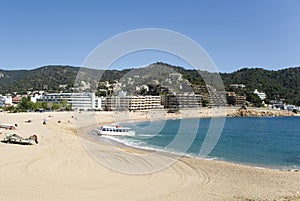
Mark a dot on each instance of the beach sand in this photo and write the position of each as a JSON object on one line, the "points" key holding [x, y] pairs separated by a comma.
{"points": [[59, 167]]}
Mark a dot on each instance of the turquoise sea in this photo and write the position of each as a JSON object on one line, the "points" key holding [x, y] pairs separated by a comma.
{"points": [[263, 141]]}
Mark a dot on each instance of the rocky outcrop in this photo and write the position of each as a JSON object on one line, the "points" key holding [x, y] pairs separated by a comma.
{"points": [[259, 113]]}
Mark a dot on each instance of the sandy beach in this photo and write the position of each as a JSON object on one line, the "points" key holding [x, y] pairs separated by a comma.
{"points": [[60, 168]]}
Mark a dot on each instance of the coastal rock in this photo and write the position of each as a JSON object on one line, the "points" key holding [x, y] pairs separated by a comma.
{"points": [[259, 113]]}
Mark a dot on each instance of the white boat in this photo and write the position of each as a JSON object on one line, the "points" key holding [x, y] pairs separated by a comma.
{"points": [[115, 131]]}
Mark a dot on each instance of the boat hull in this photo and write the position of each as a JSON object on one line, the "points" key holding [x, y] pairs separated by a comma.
{"points": [[130, 133]]}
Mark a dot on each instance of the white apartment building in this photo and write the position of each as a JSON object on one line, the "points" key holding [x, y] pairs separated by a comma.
{"points": [[79, 101], [261, 95], [182, 101], [35, 98], [133, 103], [153, 102], [5, 100], [119, 103]]}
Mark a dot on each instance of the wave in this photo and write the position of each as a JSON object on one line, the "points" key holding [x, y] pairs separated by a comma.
{"points": [[213, 159], [147, 135], [126, 141], [136, 143]]}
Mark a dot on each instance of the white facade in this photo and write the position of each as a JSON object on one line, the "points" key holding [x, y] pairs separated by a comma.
{"points": [[5, 100], [80, 101], [238, 86], [99, 103], [35, 98], [261, 95], [133, 103], [8, 100]]}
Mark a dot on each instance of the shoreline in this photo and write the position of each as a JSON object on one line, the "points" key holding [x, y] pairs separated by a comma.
{"points": [[124, 145], [60, 168], [175, 116], [180, 155]]}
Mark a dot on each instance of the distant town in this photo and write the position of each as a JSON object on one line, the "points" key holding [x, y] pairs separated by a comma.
{"points": [[156, 86], [106, 100]]}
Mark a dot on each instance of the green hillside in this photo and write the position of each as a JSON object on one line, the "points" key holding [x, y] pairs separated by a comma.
{"points": [[283, 84]]}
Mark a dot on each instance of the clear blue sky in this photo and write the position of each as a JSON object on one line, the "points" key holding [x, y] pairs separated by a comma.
{"points": [[236, 34]]}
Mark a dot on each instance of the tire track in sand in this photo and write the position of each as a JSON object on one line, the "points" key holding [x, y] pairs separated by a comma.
{"points": [[64, 161]]}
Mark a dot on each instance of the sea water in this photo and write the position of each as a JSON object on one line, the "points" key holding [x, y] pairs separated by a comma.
{"points": [[260, 141]]}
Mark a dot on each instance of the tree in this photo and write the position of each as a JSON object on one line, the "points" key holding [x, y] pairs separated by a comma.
{"points": [[30, 105], [101, 93], [10, 109], [254, 99], [26, 104], [143, 91], [50, 105], [63, 103], [38, 105], [204, 102], [69, 107], [55, 106], [231, 100], [45, 105], [23, 103]]}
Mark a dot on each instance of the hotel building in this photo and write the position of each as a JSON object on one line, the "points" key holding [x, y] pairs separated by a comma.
{"points": [[79, 101], [132, 103], [179, 101]]}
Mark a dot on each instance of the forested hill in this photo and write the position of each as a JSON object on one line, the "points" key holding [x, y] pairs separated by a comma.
{"points": [[283, 83], [49, 78], [43, 78]]}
